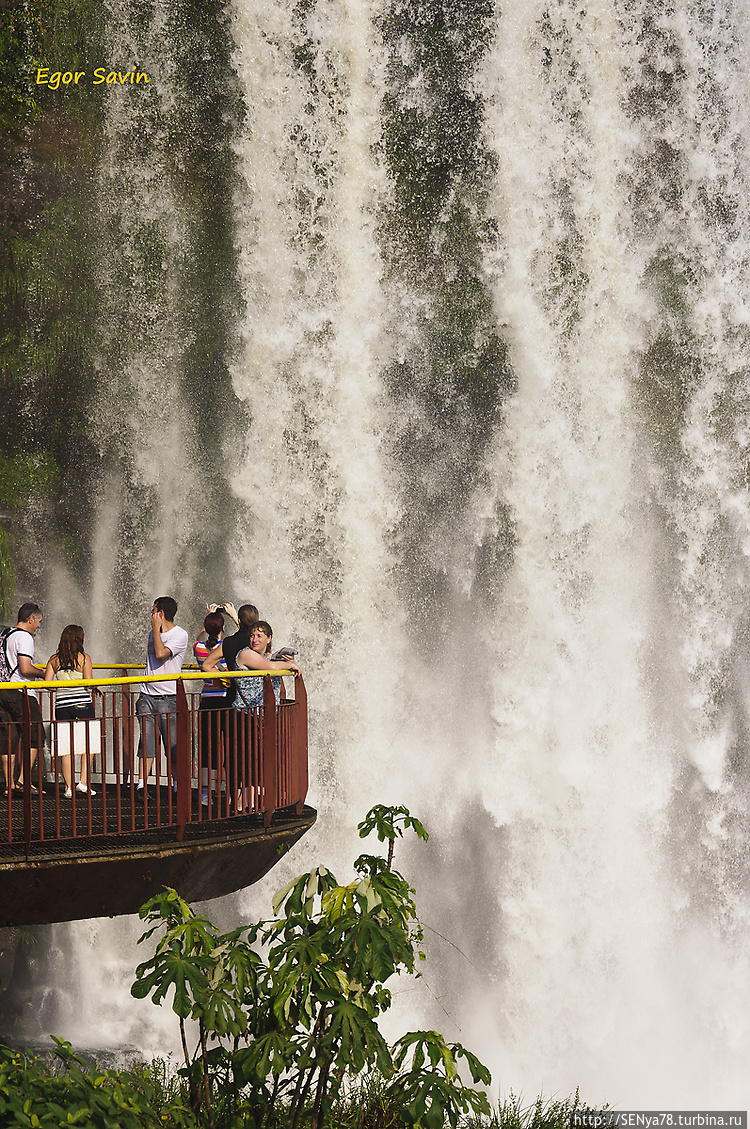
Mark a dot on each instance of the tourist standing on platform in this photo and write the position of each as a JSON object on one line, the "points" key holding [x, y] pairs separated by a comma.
{"points": [[77, 732], [257, 657], [243, 728], [226, 653], [19, 655], [213, 698], [245, 618], [9, 738], [157, 702]]}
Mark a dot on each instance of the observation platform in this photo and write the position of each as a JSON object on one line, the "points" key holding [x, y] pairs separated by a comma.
{"points": [[215, 818]]}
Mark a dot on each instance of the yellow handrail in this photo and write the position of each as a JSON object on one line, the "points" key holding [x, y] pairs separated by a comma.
{"points": [[134, 666], [118, 666], [39, 684]]}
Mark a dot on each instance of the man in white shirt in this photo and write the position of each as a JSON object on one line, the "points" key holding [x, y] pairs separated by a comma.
{"points": [[157, 702], [19, 650]]}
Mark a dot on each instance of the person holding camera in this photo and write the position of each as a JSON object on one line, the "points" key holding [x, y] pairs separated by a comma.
{"points": [[156, 706], [245, 618]]}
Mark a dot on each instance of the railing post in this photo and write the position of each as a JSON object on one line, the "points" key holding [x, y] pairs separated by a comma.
{"points": [[270, 753], [26, 769], [128, 740], [299, 754], [183, 767]]}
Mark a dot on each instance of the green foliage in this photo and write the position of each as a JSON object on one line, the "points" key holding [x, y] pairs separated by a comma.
{"points": [[366, 1103], [430, 1091], [290, 1006], [433, 229], [552, 1113], [56, 287], [24, 475], [7, 575], [20, 478], [21, 34], [35, 1093], [60, 340], [49, 150], [35, 1096], [388, 823]]}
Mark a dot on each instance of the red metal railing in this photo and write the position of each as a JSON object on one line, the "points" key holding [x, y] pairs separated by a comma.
{"points": [[227, 764]]}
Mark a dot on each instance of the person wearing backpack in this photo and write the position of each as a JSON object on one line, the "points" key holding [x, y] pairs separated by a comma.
{"points": [[17, 665]]}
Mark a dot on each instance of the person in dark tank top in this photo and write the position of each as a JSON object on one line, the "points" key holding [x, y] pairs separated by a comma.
{"points": [[231, 645]]}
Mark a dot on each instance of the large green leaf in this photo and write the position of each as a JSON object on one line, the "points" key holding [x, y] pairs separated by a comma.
{"points": [[172, 970], [355, 1039]]}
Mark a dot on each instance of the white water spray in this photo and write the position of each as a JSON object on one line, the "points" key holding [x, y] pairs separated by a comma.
{"points": [[598, 676], [315, 481], [149, 498]]}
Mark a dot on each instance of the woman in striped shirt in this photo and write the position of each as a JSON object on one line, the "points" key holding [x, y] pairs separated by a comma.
{"points": [[77, 732], [213, 699]]}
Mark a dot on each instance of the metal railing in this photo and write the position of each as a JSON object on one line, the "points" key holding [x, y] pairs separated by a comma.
{"points": [[220, 764]]}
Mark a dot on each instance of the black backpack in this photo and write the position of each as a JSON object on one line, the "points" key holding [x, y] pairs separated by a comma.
{"points": [[6, 671]]}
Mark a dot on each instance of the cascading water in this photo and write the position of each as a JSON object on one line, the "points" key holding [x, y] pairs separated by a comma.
{"points": [[494, 485], [313, 482], [611, 639]]}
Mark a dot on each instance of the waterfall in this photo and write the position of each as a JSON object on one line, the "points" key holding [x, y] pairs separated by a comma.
{"points": [[613, 635], [314, 482], [474, 437]]}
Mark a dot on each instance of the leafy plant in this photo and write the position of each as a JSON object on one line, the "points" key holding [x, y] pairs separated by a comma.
{"points": [[34, 1095], [287, 1010]]}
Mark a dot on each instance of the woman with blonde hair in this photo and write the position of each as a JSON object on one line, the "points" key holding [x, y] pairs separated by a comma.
{"points": [[77, 731]]}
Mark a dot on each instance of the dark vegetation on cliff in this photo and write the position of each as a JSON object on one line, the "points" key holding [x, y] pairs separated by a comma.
{"points": [[58, 255]]}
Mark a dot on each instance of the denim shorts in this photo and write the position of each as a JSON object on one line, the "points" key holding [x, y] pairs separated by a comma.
{"points": [[152, 711]]}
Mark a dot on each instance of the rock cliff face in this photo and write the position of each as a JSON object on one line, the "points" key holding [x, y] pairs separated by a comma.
{"points": [[85, 243], [47, 168]]}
